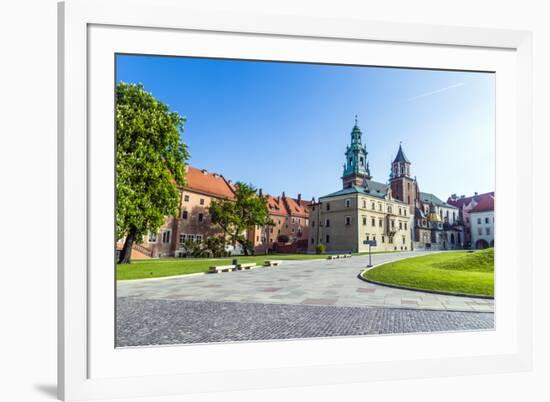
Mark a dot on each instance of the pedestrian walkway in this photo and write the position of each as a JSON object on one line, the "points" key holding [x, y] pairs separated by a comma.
{"points": [[304, 282]]}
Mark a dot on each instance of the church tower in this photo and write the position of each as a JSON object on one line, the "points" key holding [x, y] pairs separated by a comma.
{"points": [[356, 168], [403, 186]]}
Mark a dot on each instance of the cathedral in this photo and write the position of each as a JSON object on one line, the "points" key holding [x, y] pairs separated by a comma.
{"points": [[395, 214]]}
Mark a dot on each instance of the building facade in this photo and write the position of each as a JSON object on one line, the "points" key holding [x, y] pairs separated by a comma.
{"points": [[193, 220], [395, 214], [290, 229], [364, 210], [482, 218], [465, 205]]}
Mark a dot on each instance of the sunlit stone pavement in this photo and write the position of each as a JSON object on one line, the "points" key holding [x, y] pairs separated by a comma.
{"points": [[299, 299]]}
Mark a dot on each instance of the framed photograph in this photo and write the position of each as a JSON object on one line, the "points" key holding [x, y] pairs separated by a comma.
{"points": [[259, 201]]}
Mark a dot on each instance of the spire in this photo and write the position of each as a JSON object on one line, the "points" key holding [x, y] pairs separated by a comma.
{"points": [[400, 157]]}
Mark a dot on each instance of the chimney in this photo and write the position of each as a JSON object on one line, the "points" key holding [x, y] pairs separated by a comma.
{"points": [[462, 196], [453, 196], [260, 193], [475, 193], [299, 197], [313, 200], [283, 194]]}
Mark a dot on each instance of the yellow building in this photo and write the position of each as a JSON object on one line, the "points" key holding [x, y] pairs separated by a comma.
{"points": [[364, 210]]}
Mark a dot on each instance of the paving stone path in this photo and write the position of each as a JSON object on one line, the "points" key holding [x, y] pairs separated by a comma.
{"points": [[164, 322], [299, 299], [306, 282]]}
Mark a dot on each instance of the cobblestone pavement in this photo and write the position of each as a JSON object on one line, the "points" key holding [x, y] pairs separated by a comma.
{"points": [[164, 322], [306, 282]]}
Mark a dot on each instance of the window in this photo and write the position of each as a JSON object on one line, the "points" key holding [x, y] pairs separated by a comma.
{"points": [[404, 240], [373, 237], [191, 237], [405, 224], [166, 236], [348, 203], [368, 237], [293, 221], [400, 225], [186, 197], [383, 239], [392, 224], [327, 238], [152, 238], [405, 211], [327, 223], [292, 230], [479, 221], [198, 237], [364, 220], [364, 203], [312, 224], [373, 221], [399, 211], [201, 217], [183, 238], [312, 240], [389, 209], [487, 220], [380, 223], [479, 231], [391, 239], [328, 206], [348, 220], [201, 201], [380, 207], [184, 214], [488, 231], [372, 206]]}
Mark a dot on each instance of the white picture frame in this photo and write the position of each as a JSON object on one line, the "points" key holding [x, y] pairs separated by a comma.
{"points": [[89, 366]]}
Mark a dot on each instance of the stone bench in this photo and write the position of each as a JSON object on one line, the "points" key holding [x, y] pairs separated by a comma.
{"points": [[272, 263], [247, 266], [222, 268], [337, 256]]}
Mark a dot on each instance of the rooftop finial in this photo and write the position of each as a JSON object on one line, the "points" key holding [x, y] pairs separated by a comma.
{"points": [[355, 119]]}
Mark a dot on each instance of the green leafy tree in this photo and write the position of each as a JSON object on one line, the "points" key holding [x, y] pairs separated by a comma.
{"points": [[247, 210], [150, 164]]}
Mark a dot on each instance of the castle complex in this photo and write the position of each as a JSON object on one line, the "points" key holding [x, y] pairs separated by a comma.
{"points": [[390, 216], [396, 215]]}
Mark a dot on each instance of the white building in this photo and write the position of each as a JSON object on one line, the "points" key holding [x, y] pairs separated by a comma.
{"points": [[482, 220]]}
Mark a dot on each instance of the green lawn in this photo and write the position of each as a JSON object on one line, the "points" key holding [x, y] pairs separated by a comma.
{"points": [[184, 266], [455, 272]]}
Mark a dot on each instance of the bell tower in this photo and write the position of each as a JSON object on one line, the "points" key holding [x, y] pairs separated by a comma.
{"points": [[403, 186], [356, 168]]}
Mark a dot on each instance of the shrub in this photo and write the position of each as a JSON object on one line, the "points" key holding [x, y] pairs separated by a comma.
{"points": [[283, 238], [319, 248]]}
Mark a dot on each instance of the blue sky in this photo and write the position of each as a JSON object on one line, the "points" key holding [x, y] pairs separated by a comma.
{"points": [[285, 126]]}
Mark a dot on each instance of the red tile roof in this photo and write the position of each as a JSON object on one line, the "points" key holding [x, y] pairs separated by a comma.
{"points": [[296, 208], [485, 203], [460, 202], [287, 206], [276, 206], [208, 183]]}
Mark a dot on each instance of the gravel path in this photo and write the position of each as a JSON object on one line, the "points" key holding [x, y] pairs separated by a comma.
{"points": [[164, 322]]}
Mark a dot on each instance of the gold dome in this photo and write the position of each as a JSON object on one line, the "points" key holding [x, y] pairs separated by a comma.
{"points": [[434, 217]]}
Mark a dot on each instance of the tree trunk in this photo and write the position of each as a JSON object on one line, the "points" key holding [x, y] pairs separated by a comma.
{"points": [[126, 252], [243, 245]]}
